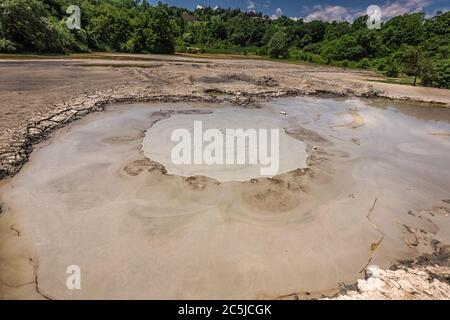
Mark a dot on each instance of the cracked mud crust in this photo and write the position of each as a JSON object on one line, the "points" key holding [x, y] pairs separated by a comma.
{"points": [[421, 283], [426, 278]]}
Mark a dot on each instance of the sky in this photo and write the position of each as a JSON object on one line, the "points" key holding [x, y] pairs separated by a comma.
{"points": [[326, 10]]}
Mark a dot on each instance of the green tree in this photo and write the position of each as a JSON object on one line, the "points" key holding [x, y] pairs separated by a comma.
{"points": [[406, 29], [419, 66], [427, 73], [344, 48], [278, 45], [158, 31], [28, 25], [412, 63]]}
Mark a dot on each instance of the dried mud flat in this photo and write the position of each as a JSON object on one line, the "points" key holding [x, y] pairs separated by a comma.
{"points": [[246, 83]]}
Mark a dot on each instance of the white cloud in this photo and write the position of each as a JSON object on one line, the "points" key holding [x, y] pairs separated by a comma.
{"points": [[250, 5], [388, 10], [199, 7], [396, 8], [331, 13], [278, 13]]}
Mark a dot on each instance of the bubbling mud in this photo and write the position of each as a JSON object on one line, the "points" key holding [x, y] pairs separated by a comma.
{"points": [[289, 153], [371, 191]]}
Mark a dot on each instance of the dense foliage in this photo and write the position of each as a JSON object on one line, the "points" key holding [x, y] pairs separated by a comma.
{"points": [[107, 25], [409, 44]]}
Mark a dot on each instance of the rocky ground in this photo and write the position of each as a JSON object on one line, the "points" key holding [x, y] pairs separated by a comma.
{"points": [[426, 278], [42, 95]]}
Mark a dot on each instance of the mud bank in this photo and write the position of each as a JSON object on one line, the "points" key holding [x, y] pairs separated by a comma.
{"points": [[373, 193], [18, 145], [426, 278]]}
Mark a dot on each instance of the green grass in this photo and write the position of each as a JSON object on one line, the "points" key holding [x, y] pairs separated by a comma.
{"points": [[402, 79]]}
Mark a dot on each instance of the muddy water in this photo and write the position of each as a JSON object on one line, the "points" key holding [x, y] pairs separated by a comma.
{"points": [[158, 145], [373, 192]]}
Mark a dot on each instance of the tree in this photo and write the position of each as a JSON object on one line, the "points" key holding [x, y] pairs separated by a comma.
{"points": [[278, 45], [412, 63], [344, 48], [406, 29], [24, 24], [427, 73], [33, 26], [158, 31], [419, 66]]}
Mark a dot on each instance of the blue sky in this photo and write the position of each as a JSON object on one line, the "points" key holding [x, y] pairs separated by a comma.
{"points": [[323, 10]]}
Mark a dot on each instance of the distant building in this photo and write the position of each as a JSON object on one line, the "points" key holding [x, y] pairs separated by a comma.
{"points": [[187, 17]]}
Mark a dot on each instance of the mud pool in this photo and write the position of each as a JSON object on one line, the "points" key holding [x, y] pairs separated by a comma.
{"points": [[361, 182], [262, 149]]}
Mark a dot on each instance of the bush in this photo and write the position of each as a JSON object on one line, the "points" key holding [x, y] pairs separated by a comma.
{"points": [[392, 69], [363, 63], [262, 51], [381, 64], [427, 73], [315, 58], [238, 39], [442, 78], [344, 48], [188, 38], [7, 46]]}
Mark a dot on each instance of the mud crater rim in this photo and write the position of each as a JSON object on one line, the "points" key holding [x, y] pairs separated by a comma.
{"points": [[288, 155]]}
